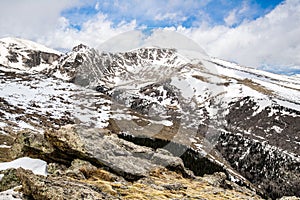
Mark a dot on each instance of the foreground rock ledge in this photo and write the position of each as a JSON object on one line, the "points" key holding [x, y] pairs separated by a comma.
{"points": [[95, 164], [83, 181]]}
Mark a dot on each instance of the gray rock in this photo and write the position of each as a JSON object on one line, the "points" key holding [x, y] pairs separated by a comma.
{"points": [[58, 188], [80, 169], [174, 186], [9, 180], [124, 158]]}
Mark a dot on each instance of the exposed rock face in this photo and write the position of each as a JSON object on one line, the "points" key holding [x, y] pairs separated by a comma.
{"points": [[39, 187], [37, 58], [27, 55], [107, 150], [89, 67], [113, 169], [9, 179]]}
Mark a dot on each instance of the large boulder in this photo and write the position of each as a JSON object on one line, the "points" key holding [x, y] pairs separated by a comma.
{"points": [[108, 150]]}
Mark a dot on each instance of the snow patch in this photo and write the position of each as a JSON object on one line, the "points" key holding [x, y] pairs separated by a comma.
{"points": [[37, 166], [277, 129], [10, 195], [4, 146]]}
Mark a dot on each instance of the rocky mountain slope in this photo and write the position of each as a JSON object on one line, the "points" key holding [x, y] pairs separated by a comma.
{"points": [[213, 115]]}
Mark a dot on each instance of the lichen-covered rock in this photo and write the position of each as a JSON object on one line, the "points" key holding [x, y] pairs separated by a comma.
{"points": [[107, 150], [5, 150], [9, 179], [55, 168], [80, 169], [165, 184], [217, 179], [30, 144], [56, 188]]}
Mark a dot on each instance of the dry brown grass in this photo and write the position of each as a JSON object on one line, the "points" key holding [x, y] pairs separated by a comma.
{"points": [[201, 78], [154, 187], [256, 86]]}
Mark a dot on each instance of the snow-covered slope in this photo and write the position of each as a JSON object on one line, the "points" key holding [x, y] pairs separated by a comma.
{"points": [[27, 45], [281, 87], [20, 54], [175, 95], [37, 102]]}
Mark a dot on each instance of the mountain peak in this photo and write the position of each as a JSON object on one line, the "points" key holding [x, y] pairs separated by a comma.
{"points": [[80, 47], [26, 45], [25, 55]]}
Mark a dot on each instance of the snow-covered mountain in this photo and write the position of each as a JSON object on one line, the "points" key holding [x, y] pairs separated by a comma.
{"points": [[18, 54], [244, 119]]}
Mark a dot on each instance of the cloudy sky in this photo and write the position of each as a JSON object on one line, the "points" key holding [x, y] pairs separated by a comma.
{"points": [[257, 33]]}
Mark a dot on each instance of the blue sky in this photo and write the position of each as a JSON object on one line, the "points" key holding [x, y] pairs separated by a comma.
{"points": [[170, 13], [256, 33]]}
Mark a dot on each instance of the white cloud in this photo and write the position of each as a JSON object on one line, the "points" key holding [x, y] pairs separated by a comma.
{"points": [[41, 21], [93, 33], [123, 42], [166, 16], [97, 6], [245, 7], [273, 39], [31, 18], [170, 39], [231, 19], [152, 11], [237, 15]]}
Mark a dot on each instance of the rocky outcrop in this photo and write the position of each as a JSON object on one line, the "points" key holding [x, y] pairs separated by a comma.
{"points": [[39, 187], [82, 180], [107, 150], [9, 179], [35, 58], [96, 164]]}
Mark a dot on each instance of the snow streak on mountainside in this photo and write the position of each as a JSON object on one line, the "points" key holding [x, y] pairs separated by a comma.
{"points": [[250, 116]]}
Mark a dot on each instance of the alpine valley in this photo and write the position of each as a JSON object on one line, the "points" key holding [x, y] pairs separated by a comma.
{"points": [[149, 123]]}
